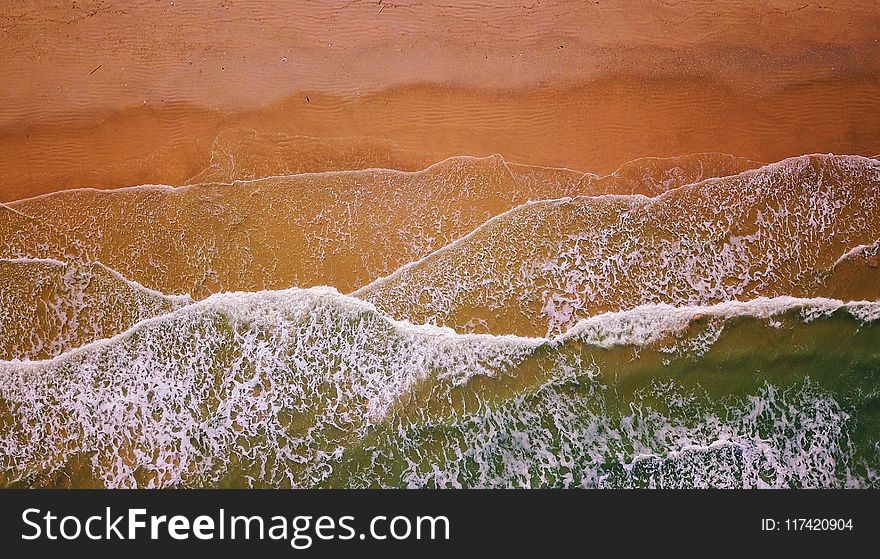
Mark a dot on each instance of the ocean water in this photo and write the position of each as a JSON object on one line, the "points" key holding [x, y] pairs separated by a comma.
{"points": [[339, 228], [700, 322], [311, 388], [49, 306]]}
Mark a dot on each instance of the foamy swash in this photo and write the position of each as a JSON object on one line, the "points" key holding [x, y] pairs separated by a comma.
{"points": [[338, 228], [710, 335], [539, 268], [48, 307], [792, 228]]}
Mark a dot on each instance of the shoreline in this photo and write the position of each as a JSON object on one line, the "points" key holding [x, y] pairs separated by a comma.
{"points": [[594, 126]]}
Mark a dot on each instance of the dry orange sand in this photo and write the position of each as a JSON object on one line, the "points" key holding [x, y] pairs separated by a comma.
{"points": [[104, 95]]}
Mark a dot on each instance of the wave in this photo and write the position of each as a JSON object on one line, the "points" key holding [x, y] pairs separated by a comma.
{"points": [[342, 228], [171, 400], [539, 268], [312, 388], [246, 245], [691, 340]]}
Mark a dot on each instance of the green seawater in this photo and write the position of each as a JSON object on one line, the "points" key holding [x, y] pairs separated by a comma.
{"points": [[308, 388], [789, 406]]}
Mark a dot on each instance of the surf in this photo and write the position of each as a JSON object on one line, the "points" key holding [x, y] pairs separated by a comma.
{"points": [[311, 388]]}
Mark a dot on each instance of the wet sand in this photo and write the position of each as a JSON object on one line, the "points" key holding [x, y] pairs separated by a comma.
{"points": [[592, 127]]}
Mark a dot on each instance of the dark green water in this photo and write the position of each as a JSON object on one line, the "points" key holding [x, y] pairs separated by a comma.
{"points": [[795, 406]]}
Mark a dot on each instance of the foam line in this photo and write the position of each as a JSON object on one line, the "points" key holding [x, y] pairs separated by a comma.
{"points": [[854, 251], [184, 187], [641, 325], [176, 298], [25, 260], [639, 198]]}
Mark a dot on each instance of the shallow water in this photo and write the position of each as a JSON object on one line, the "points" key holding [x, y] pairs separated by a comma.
{"points": [[536, 270]]}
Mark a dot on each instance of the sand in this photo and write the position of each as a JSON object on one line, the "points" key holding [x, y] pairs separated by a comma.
{"points": [[106, 96]]}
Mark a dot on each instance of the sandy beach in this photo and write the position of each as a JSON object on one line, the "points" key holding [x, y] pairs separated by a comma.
{"points": [[103, 96]]}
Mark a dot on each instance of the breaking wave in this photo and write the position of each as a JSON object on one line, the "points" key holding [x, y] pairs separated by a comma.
{"points": [[311, 388]]}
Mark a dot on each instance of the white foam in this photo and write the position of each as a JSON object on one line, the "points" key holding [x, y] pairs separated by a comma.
{"points": [[50, 306], [857, 250], [26, 260], [648, 324], [278, 382], [642, 325], [175, 298], [312, 353], [586, 437], [769, 231]]}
